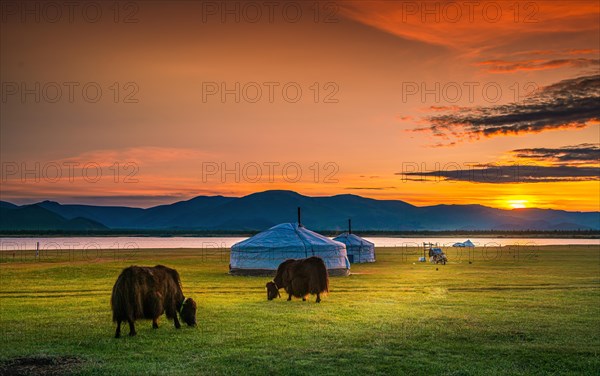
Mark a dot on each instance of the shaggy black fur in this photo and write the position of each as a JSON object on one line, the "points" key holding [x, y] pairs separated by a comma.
{"points": [[146, 293], [300, 278]]}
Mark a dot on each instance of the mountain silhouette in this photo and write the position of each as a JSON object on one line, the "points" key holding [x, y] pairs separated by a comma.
{"points": [[35, 217], [262, 210]]}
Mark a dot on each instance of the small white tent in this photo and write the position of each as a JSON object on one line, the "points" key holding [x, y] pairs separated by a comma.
{"points": [[467, 243], [358, 249], [262, 253]]}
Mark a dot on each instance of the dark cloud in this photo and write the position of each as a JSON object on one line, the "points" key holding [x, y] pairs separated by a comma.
{"points": [[509, 174], [577, 154], [561, 164], [572, 103]]}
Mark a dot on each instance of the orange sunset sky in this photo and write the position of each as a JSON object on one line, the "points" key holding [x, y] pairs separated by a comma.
{"points": [[145, 103]]}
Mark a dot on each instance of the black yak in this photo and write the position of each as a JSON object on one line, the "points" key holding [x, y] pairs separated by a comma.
{"points": [[148, 292], [300, 278]]}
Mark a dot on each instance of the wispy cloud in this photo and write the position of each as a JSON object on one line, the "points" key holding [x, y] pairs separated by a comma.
{"points": [[506, 66], [370, 188], [498, 174], [536, 60], [534, 165], [571, 103], [577, 154], [464, 26], [142, 155]]}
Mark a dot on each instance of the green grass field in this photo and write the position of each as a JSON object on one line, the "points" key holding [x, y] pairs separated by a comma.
{"points": [[519, 311]]}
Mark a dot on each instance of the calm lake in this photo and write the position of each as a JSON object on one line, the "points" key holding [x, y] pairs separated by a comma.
{"points": [[13, 244]]}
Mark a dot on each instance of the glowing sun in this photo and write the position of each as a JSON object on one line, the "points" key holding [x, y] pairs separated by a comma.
{"points": [[517, 204]]}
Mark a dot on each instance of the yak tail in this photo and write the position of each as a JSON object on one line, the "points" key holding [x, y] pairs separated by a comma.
{"points": [[126, 299]]}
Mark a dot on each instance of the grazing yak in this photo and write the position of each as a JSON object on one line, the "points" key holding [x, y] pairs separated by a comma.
{"points": [[300, 278], [148, 292]]}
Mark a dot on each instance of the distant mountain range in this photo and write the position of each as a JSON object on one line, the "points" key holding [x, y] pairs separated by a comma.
{"points": [[262, 210]]}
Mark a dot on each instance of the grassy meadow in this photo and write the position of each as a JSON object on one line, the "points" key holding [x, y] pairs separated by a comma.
{"points": [[512, 310]]}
